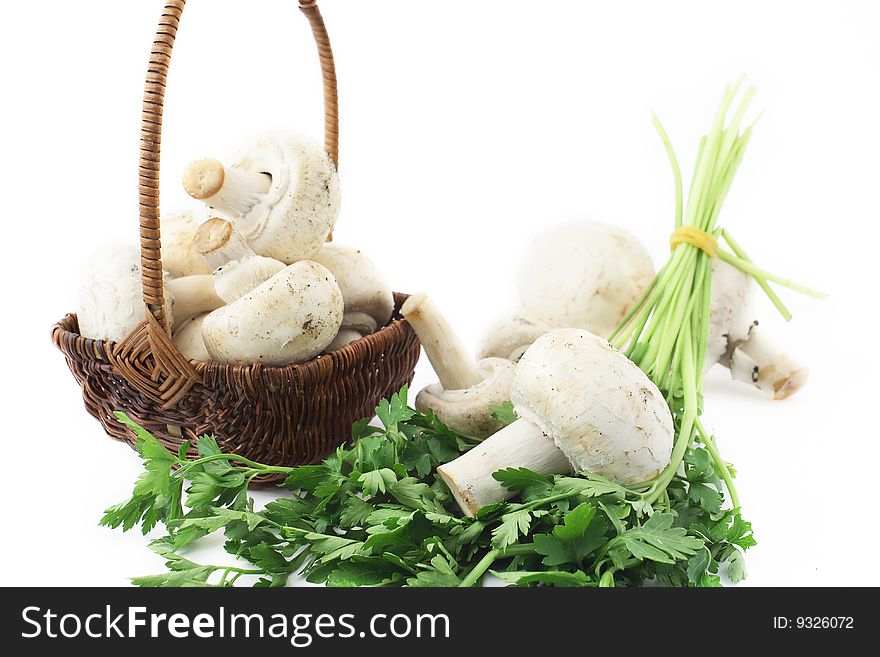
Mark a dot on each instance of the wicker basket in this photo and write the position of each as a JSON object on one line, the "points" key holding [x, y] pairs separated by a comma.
{"points": [[277, 415]]}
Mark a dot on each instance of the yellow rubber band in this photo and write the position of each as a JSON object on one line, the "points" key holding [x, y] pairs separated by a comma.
{"points": [[694, 236]]}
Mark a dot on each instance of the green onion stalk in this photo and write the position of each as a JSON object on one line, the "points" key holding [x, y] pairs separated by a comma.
{"points": [[666, 333]]}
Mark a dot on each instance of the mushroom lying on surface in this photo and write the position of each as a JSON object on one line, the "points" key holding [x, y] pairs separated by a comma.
{"points": [[187, 337], [290, 318], [584, 275], [735, 341], [237, 269], [513, 333], [760, 363], [179, 258], [368, 299], [467, 390], [581, 405], [281, 192], [111, 298]]}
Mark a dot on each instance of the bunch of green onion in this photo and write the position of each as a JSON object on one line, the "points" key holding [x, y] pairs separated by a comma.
{"points": [[666, 333]]}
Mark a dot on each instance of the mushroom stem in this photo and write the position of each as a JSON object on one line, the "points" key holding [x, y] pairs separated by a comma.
{"points": [[193, 295], [455, 369], [519, 445], [218, 243], [237, 269], [760, 363], [227, 189]]}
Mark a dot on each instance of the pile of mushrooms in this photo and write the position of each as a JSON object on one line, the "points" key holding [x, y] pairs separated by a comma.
{"points": [[590, 275], [582, 406], [249, 275]]}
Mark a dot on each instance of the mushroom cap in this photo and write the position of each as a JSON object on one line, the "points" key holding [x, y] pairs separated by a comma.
{"points": [[290, 318], [111, 299], [513, 333], [293, 220], [188, 338], [369, 301], [584, 274], [731, 316], [344, 337], [469, 411], [179, 257], [601, 410]]}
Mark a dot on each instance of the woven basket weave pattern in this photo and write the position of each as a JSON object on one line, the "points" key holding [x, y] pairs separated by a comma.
{"points": [[276, 415]]}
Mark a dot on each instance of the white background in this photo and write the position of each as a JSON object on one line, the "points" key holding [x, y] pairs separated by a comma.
{"points": [[466, 129]]}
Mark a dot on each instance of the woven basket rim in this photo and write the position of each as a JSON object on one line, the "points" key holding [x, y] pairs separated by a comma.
{"points": [[63, 327]]}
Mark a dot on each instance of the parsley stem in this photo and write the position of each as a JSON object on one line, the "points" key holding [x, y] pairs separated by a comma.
{"points": [[480, 569], [259, 467], [740, 253], [759, 274], [486, 562], [606, 581], [722, 466], [528, 506], [518, 550]]}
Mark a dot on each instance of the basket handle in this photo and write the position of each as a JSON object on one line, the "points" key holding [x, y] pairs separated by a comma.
{"points": [[151, 139], [148, 358]]}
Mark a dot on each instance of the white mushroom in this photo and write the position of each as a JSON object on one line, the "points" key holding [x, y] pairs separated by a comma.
{"points": [[179, 258], [760, 363], [111, 298], [344, 337], [189, 296], [582, 405], [290, 318], [514, 332], [584, 275], [237, 269], [281, 192], [736, 342], [187, 337], [369, 301], [731, 317], [466, 392]]}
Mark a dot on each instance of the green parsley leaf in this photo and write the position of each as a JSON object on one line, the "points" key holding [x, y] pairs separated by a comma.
{"points": [[548, 577], [439, 574], [581, 533], [736, 567], [512, 526], [504, 413], [522, 480], [658, 540], [377, 480]]}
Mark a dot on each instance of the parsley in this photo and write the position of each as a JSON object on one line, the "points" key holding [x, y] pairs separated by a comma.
{"points": [[504, 413], [374, 514]]}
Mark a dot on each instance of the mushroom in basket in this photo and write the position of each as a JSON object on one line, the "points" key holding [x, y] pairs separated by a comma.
{"points": [[368, 299], [281, 192], [111, 297], [277, 314]]}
